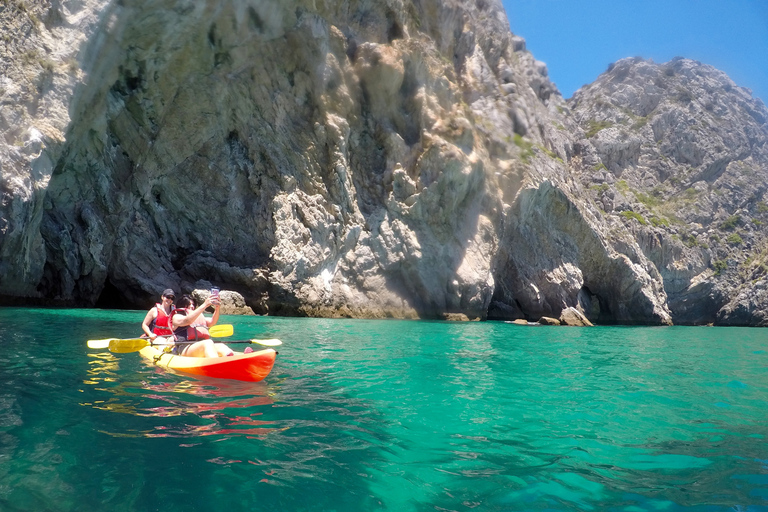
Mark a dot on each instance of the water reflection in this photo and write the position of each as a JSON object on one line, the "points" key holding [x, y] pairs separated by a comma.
{"points": [[190, 407], [102, 367]]}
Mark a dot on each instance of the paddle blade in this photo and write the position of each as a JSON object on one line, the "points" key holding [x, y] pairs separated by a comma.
{"points": [[221, 331], [268, 343], [128, 345], [99, 343]]}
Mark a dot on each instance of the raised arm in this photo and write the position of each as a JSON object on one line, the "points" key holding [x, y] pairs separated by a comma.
{"points": [[184, 320], [210, 322]]}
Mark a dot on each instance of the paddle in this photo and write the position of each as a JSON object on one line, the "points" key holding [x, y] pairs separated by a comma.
{"points": [[134, 345], [217, 331]]}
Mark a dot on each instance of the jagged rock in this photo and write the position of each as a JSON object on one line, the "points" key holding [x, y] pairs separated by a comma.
{"points": [[545, 320], [747, 308], [399, 159], [232, 303], [573, 317], [549, 273]]}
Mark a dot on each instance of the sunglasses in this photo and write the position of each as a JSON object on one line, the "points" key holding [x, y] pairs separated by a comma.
{"points": [[169, 297]]}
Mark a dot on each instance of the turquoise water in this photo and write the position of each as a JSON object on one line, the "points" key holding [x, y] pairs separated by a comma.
{"points": [[387, 415]]}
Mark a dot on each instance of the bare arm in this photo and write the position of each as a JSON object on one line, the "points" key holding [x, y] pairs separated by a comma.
{"points": [[210, 322], [180, 320], [151, 315]]}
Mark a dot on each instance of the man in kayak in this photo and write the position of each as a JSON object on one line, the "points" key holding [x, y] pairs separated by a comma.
{"points": [[158, 319], [190, 324]]}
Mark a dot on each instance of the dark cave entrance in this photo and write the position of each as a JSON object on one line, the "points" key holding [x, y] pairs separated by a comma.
{"points": [[112, 298]]}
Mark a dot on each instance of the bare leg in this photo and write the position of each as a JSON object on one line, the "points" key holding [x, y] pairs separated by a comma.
{"points": [[223, 350], [204, 348]]}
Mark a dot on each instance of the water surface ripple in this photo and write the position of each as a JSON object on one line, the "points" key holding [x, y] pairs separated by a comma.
{"points": [[387, 415]]}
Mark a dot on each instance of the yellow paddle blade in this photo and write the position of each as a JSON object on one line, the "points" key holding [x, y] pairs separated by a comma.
{"points": [[217, 331], [221, 331], [268, 343], [128, 345], [99, 343]]}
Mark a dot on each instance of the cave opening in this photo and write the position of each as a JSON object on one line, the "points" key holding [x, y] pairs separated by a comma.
{"points": [[112, 298]]}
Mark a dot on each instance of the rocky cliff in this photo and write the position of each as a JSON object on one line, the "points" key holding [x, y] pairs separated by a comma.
{"points": [[683, 162], [367, 159]]}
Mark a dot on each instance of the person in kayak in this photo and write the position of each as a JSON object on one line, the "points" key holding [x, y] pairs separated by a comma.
{"points": [[190, 324], [158, 319]]}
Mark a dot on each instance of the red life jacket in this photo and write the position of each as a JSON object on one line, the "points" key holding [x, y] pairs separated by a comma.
{"points": [[162, 324]]}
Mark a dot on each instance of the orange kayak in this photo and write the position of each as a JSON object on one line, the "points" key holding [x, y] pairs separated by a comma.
{"points": [[251, 367]]}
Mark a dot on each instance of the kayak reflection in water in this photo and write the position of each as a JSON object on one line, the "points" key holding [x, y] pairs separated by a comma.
{"points": [[190, 324]]}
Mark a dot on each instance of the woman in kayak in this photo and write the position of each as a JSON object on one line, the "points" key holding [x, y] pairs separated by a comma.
{"points": [[190, 324], [158, 319]]}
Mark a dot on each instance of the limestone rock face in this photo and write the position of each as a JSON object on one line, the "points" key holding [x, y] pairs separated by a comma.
{"points": [[683, 163], [372, 159], [39, 73]]}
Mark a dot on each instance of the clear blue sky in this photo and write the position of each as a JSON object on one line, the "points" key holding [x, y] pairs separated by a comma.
{"points": [[577, 39]]}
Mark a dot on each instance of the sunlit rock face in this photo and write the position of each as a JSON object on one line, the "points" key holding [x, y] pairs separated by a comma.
{"points": [[684, 161], [366, 159]]}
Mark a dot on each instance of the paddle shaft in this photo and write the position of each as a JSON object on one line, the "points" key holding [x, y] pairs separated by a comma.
{"points": [[216, 331], [227, 342], [134, 345]]}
